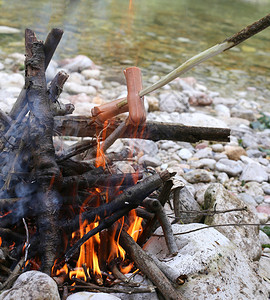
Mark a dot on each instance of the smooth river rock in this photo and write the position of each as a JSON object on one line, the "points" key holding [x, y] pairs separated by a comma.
{"points": [[32, 285]]}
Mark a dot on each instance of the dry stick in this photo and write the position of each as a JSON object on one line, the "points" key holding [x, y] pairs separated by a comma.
{"points": [[214, 226], [124, 290], [81, 126], [13, 276], [76, 149], [42, 149], [152, 224], [171, 273], [156, 207], [146, 264], [207, 212], [5, 118], [50, 46], [227, 44], [55, 90]]}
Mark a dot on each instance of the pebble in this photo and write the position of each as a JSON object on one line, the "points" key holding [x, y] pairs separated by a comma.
{"points": [[184, 154], [199, 175], [231, 167], [254, 172]]}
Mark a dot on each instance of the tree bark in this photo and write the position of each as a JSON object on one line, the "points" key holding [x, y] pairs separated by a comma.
{"points": [[82, 126]]}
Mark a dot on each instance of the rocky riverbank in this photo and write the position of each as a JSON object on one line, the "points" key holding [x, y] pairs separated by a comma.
{"points": [[215, 175]]}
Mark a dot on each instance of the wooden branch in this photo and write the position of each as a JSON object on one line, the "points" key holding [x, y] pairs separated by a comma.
{"points": [[82, 126], [50, 46], [76, 149], [123, 290], [153, 224], [146, 264], [43, 154], [156, 207], [88, 180]]}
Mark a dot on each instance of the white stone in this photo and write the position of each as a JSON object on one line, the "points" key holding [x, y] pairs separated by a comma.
{"points": [[79, 63], [75, 88], [264, 238], [208, 163], [184, 154], [199, 119], [173, 101], [254, 172], [209, 259], [217, 147], [32, 285], [263, 218], [91, 74], [231, 167], [150, 160], [222, 111], [92, 296], [204, 153]]}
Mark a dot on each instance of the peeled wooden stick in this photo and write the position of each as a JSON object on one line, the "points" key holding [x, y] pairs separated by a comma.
{"points": [[227, 44]]}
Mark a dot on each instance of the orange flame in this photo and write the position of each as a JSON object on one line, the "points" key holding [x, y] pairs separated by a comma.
{"points": [[0, 241], [100, 158], [88, 254]]}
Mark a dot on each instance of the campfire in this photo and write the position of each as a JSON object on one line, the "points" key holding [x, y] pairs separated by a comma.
{"points": [[76, 220]]}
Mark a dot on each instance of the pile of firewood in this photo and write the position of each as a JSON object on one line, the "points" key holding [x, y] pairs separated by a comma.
{"points": [[42, 193]]}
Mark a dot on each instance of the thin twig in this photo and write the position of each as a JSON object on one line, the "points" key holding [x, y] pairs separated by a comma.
{"points": [[206, 212], [125, 290], [27, 244], [213, 226]]}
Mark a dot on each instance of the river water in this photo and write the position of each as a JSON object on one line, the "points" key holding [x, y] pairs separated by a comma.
{"points": [[156, 35]]}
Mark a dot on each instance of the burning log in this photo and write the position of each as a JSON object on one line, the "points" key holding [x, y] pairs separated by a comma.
{"points": [[128, 200], [146, 264], [82, 126]]}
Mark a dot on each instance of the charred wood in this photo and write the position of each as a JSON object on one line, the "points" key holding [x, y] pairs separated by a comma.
{"points": [[88, 180], [82, 126]]}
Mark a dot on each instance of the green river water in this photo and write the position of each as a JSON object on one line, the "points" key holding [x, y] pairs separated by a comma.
{"points": [[156, 35]]}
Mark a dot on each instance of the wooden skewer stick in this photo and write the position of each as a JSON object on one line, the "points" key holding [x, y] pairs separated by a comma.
{"points": [[227, 44]]}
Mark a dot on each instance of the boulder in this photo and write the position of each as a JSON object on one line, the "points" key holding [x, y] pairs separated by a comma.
{"points": [[214, 266], [184, 203], [245, 237], [32, 285]]}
